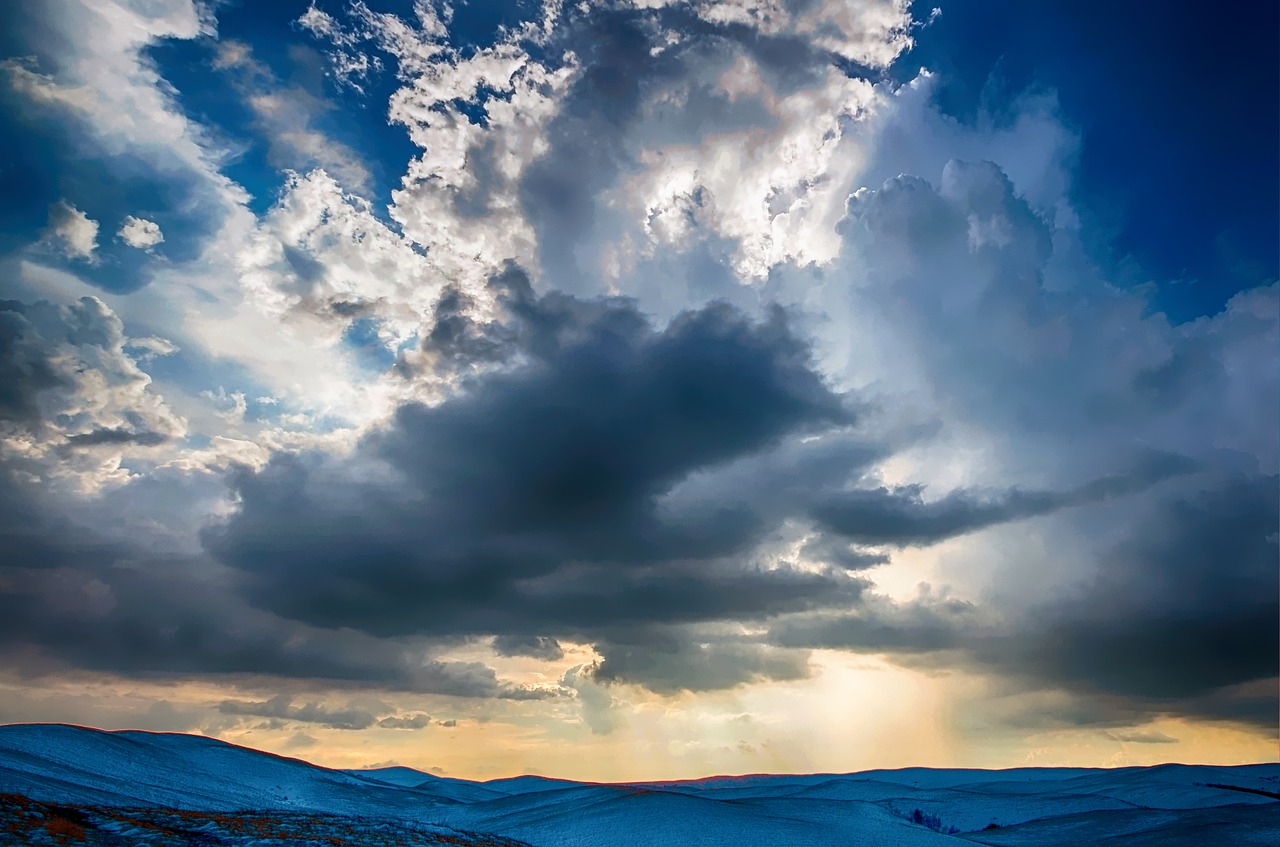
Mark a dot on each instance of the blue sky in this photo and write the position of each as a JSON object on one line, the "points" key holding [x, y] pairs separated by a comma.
{"points": [[549, 369]]}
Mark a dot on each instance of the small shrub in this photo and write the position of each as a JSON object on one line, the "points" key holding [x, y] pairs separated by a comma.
{"points": [[923, 818]]}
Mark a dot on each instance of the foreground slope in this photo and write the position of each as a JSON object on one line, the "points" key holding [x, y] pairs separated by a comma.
{"points": [[66, 785]]}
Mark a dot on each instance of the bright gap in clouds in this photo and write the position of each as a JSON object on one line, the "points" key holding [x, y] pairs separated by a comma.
{"points": [[694, 386]]}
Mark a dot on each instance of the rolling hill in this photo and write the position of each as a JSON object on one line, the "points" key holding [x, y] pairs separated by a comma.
{"points": [[73, 785]]}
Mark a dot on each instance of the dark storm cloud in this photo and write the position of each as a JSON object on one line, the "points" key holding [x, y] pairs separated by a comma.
{"points": [[1185, 606], [601, 476], [73, 594], [668, 661], [532, 498], [836, 551], [900, 517], [142, 623], [582, 600], [1181, 617], [527, 507], [35, 534], [534, 646], [25, 368], [930, 623]]}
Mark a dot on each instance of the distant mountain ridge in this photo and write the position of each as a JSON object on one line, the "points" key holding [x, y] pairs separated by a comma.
{"points": [[209, 785]]}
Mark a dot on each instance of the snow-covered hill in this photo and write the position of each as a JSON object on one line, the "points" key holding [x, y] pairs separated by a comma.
{"points": [[64, 784]]}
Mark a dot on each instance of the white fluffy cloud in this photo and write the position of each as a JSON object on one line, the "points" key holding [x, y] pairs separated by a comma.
{"points": [[140, 233], [776, 190], [103, 77], [870, 32], [74, 232], [321, 253]]}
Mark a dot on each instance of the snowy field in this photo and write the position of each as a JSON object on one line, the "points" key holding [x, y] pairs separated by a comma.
{"points": [[71, 785]]}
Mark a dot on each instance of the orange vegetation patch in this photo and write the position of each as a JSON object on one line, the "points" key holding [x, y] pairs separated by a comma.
{"points": [[64, 830]]}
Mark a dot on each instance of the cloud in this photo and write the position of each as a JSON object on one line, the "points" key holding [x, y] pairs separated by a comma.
{"points": [[281, 706], [901, 518], [648, 469], [547, 394], [116, 436], [95, 603], [152, 346], [1179, 608], [140, 233], [110, 581], [321, 260], [997, 335], [26, 369], [287, 116], [674, 661], [418, 721], [75, 232], [870, 32], [110, 123], [479, 118], [70, 383], [933, 621], [600, 709], [1142, 737], [535, 646], [530, 500], [1153, 548], [1177, 618]]}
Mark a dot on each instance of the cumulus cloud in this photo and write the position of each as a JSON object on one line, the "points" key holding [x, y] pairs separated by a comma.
{"points": [[555, 525], [74, 232], [1034, 360], [480, 119], [140, 233], [321, 252], [870, 32], [71, 383]]}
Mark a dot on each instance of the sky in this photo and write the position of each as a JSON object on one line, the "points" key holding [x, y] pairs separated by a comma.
{"points": [[643, 389]]}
